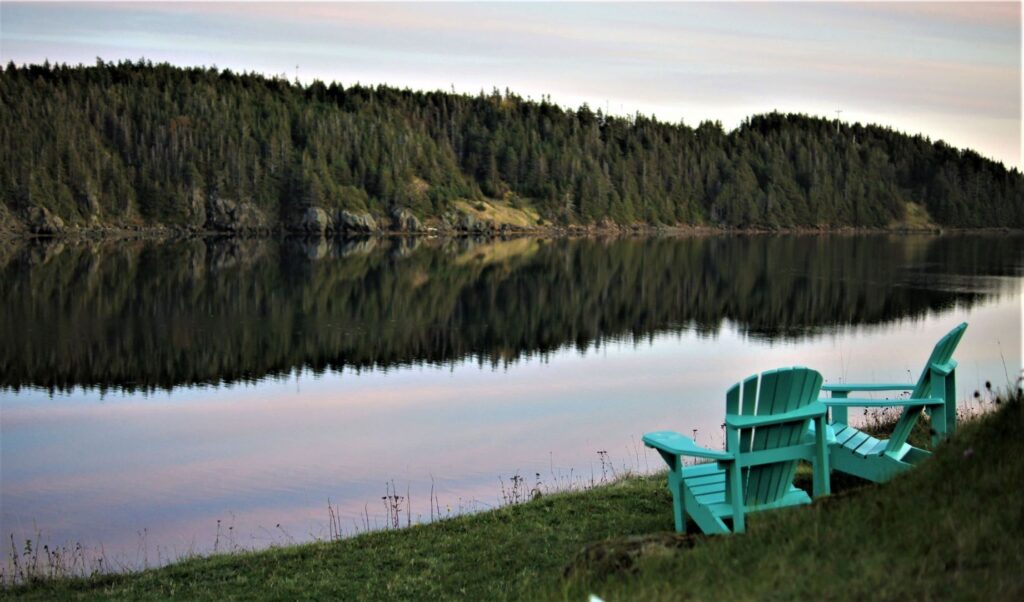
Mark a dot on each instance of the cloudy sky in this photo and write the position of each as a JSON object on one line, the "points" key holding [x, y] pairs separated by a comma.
{"points": [[947, 70]]}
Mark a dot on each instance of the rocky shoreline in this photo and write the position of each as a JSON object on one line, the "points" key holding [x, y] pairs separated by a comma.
{"points": [[227, 219]]}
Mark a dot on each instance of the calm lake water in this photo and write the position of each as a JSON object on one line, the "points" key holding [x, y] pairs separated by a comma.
{"points": [[149, 390]]}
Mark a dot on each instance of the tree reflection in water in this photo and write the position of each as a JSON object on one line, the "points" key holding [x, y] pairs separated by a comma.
{"points": [[144, 315]]}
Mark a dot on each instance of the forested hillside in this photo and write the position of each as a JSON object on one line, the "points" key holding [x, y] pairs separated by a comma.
{"points": [[138, 144]]}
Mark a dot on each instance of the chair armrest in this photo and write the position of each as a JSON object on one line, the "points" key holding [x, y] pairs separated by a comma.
{"points": [[847, 387], [680, 445], [744, 422], [944, 369], [863, 402]]}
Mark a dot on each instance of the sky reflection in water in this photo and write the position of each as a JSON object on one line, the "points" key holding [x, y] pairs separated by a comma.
{"points": [[99, 469]]}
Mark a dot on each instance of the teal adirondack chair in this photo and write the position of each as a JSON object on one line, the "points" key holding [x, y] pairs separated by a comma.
{"points": [[855, 452], [766, 421]]}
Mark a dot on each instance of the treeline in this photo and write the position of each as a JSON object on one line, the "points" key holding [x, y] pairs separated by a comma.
{"points": [[136, 144], [152, 315]]}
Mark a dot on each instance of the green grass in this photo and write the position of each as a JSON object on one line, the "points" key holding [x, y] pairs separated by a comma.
{"points": [[950, 529], [507, 553], [915, 218], [500, 213]]}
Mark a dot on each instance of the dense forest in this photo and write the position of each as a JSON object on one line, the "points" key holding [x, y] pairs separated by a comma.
{"points": [[159, 314], [137, 144]]}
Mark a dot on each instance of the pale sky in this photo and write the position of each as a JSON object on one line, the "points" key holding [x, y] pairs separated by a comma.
{"points": [[946, 70]]}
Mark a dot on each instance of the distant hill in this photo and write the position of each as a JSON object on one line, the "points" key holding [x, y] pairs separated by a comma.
{"points": [[138, 145]]}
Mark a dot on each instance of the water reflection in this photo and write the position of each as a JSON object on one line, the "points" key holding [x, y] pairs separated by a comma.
{"points": [[610, 338], [145, 315]]}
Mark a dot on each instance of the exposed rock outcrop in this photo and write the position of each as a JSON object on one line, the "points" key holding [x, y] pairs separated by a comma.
{"points": [[226, 215], [462, 221], [41, 221], [403, 220], [315, 220], [360, 223]]}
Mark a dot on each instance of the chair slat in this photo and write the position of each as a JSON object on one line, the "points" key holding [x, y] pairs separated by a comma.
{"points": [[732, 400], [845, 435]]}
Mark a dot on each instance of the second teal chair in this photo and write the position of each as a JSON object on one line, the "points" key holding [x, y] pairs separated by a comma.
{"points": [[855, 452]]}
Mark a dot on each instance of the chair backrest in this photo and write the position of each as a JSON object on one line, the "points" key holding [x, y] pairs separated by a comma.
{"points": [[941, 356], [771, 393]]}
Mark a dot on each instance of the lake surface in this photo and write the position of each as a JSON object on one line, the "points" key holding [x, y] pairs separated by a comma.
{"points": [[158, 399]]}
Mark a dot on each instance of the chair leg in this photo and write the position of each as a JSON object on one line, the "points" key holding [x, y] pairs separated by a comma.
{"points": [[941, 427], [735, 476], [675, 486], [950, 407], [822, 481]]}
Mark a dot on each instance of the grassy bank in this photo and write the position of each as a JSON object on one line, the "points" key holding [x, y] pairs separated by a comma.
{"points": [[952, 528], [508, 553]]}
